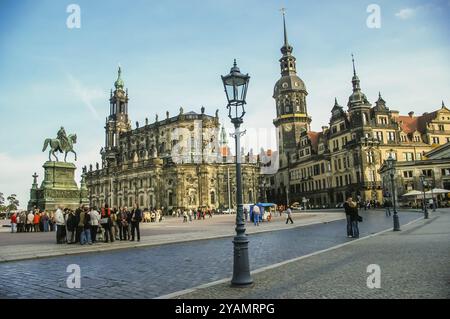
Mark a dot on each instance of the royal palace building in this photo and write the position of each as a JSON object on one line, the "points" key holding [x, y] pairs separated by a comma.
{"points": [[345, 157], [181, 161]]}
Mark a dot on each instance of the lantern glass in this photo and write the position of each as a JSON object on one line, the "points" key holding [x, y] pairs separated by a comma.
{"points": [[236, 84]]}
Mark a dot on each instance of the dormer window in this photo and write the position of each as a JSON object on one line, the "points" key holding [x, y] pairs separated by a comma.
{"points": [[382, 120]]}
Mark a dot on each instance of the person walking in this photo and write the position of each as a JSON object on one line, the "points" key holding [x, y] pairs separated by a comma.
{"points": [[30, 219], [87, 226], [106, 223], [119, 222], [60, 225], [387, 207], [184, 217], [77, 220], [256, 214], [114, 227], [36, 221], [245, 214], [51, 221], [71, 226], [22, 222], [348, 213], [44, 219], [352, 209], [14, 223], [125, 225], [94, 220], [136, 218], [289, 215], [81, 226]]}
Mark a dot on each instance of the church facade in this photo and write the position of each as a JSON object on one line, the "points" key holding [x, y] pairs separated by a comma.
{"points": [[181, 161], [321, 168]]}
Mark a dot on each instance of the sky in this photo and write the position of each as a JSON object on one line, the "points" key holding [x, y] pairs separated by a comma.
{"points": [[173, 52]]}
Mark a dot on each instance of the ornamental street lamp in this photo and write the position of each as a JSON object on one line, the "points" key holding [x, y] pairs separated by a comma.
{"points": [[432, 196], [425, 209], [391, 168], [264, 190], [235, 85]]}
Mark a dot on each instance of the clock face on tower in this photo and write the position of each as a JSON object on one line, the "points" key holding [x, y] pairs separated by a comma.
{"points": [[288, 128]]}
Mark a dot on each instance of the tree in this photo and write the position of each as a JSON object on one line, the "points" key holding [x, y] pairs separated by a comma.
{"points": [[13, 202], [2, 202]]}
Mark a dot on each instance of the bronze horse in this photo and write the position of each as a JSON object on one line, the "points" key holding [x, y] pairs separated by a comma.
{"points": [[57, 145]]}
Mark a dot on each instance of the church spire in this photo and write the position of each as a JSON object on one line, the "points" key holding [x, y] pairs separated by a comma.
{"points": [[353, 61], [287, 61], [355, 79], [286, 49], [357, 98]]}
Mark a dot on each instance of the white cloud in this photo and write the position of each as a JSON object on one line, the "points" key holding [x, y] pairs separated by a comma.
{"points": [[407, 13], [85, 94]]}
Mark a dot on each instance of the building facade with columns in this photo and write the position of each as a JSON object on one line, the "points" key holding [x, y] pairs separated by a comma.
{"points": [[181, 161], [345, 157], [434, 166]]}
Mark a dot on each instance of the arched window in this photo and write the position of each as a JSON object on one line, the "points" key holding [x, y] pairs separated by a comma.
{"points": [[365, 119], [213, 197], [370, 157]]}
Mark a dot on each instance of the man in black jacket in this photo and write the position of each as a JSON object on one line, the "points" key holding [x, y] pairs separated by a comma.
{"points": [[71, 224], [348, 213], [136, 217], [77, 221]]}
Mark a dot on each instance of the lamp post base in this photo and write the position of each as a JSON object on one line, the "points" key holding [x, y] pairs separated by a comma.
{"points": [[426, 214], [241, 268], [396, 222]]}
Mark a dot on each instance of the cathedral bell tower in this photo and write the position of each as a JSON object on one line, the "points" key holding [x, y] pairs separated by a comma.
{"points": [[358, 105], [290, 98], [117, 121]]}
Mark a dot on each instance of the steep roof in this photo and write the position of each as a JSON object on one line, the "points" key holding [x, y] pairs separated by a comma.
{"points": [[410, 124], [314, 138]]}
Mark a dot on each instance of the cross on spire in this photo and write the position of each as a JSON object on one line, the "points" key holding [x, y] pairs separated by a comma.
{"points": [[283, 12], [353, 61]]}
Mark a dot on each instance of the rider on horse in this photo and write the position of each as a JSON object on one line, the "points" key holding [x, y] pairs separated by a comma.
{"points": [[62, 137]]}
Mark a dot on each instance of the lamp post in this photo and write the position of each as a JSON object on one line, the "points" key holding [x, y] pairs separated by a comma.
{"points": [[425, 209], [235, 85], [391, 168], [264, 190], [432, 196]]}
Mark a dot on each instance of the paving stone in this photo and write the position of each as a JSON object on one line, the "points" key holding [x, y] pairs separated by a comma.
{"points": [[159, 270]]}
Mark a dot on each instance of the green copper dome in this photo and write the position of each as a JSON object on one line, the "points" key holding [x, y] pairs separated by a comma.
{"points": [[119, 84]]}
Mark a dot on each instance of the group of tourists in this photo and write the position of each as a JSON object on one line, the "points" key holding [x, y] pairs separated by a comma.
{"points": [[194, 214], [84, 225], [152, 216], [32, 221], [88, 225]]}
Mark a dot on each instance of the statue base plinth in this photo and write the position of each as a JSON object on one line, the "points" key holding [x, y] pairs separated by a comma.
{"points": [[58, 188]]}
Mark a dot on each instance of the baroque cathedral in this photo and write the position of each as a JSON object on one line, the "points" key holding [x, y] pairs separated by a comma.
{"points": [[321, 168], [181, 161]]}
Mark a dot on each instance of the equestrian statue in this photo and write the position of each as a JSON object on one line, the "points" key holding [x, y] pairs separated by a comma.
{"points": [[62, 143]]}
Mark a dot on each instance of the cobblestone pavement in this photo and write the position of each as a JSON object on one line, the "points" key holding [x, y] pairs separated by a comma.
{"points": [[21, 246], [154, 271], [414, 263]]}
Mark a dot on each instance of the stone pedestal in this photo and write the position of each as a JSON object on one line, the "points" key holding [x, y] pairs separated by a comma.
{"points": [[58, 188]]}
